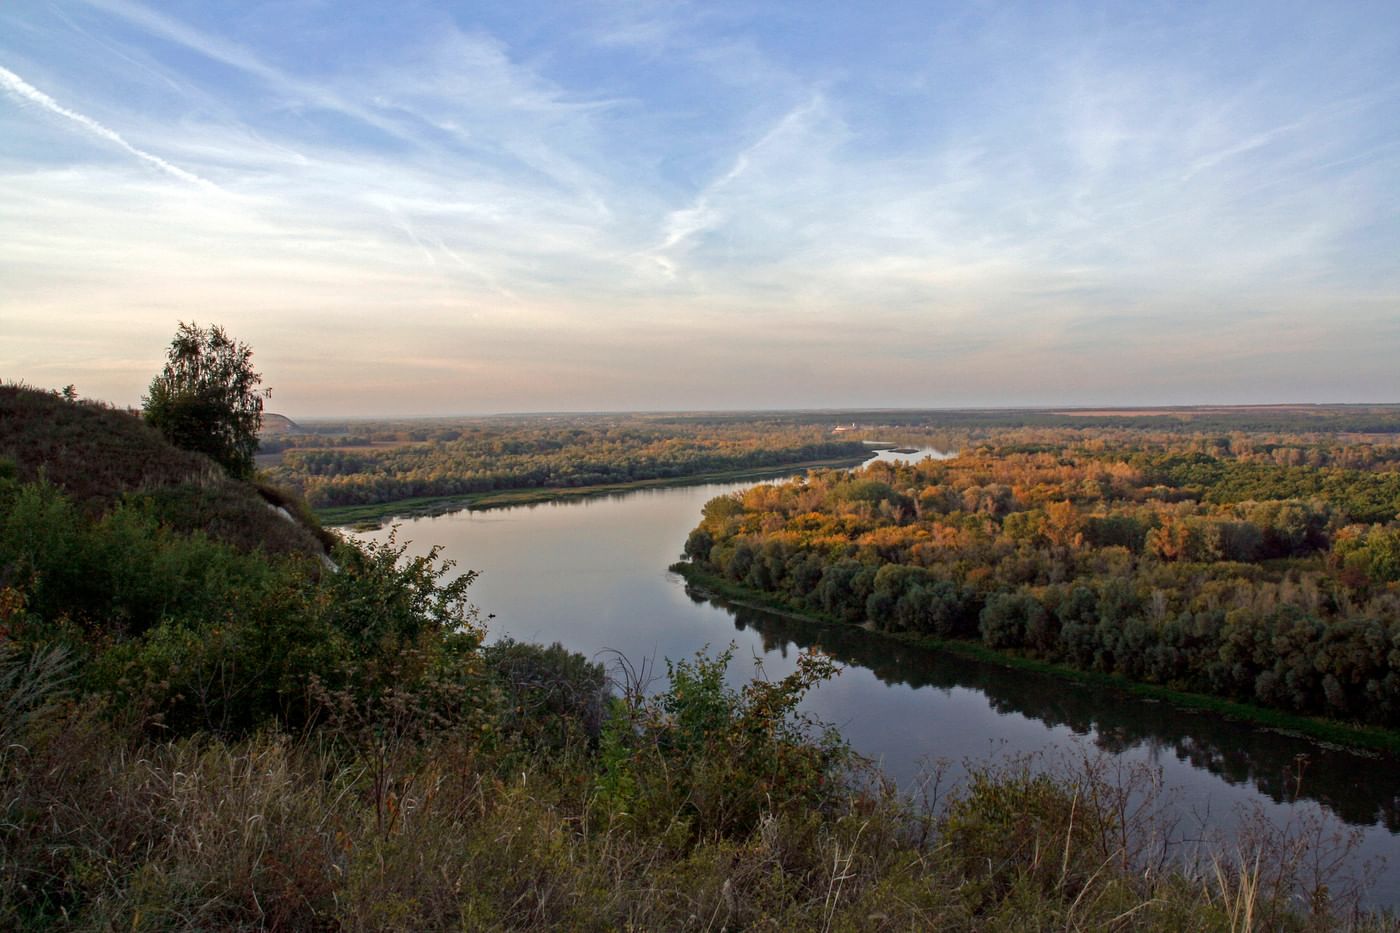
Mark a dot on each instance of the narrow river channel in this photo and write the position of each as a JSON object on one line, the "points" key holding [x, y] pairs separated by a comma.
{"points": [[591, 574]]}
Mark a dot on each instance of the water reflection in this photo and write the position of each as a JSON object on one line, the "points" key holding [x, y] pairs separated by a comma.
{"points": [[1360, 789]]}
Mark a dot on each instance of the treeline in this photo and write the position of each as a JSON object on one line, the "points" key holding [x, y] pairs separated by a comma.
{"points": [[540, 454], [1178, 420], [1195, 566]]}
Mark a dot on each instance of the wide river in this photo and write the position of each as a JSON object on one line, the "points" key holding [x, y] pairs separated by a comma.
{"points": [[592, 575]]}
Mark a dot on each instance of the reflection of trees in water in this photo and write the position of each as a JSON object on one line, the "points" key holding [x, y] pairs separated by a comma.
{"points": [[1360, 789]]}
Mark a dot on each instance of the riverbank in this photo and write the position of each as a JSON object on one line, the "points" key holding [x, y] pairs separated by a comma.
{"points": [[1365, 738], [375, 514]]}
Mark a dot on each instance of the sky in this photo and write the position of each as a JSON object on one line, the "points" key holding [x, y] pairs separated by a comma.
{"points": [[428, 208]]}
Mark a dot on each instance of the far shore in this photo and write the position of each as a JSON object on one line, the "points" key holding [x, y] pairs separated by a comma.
{"points": [[375, 514]]}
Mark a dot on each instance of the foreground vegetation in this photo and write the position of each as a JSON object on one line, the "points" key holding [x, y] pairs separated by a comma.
{"points": [[699, 808], [198, 731]]}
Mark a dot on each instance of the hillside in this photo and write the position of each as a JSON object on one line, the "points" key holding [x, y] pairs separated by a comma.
{"points": [[274, 424], [99, 456]]}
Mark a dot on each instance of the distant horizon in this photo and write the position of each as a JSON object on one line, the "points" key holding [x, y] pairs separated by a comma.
{"points": [[1163, 409], [610, 207]]}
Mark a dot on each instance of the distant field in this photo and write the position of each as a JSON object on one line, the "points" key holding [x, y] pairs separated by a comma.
{"points": [[1188, 411]]}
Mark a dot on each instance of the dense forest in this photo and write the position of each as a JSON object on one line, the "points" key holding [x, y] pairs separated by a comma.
{"points": [[217, 715], [1260, 568], [335, 464], [344, 464]]}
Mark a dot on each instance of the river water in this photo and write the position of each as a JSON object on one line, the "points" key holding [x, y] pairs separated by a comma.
{"points": [[592, 575]]}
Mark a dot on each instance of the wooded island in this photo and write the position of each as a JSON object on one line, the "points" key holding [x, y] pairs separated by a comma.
{"points": [[1263, 569]]}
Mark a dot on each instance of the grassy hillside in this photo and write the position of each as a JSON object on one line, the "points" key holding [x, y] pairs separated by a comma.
{"points": [[101, 456], [274, 424]]}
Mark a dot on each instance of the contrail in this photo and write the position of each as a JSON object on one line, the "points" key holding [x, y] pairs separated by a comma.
{"points": [[26, 91]]}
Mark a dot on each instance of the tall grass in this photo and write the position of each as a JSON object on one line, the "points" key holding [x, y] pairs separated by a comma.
{"points": [[103, 829]]}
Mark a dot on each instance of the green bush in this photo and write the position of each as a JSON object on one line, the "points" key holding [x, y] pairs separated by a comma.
{"points": [[701, 758], [551, 696], [200, 635]]}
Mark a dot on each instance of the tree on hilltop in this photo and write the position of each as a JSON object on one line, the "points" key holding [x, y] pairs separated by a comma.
{"points": [[207, 399]]}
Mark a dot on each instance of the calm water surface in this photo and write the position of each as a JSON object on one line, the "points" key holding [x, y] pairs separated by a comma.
{"points": [[591, 574]]}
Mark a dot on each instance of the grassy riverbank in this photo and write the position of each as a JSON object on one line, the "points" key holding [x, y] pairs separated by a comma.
{"points": [[1367, 738], [376, 513]]}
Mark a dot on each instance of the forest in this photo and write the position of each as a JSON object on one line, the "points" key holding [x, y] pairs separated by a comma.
{"points": [[343, 464], [1261, 568], [335, 464]]}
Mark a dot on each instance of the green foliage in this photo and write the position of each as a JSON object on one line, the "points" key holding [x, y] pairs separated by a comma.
{"points": [[203, 636], [552, 697], [701, 758], [698, 544], [1372, 552], [206, 399], [1010, 620], [115, 576]]}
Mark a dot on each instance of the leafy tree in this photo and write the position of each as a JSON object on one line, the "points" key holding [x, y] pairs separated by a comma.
{"points": [[207, 399]]}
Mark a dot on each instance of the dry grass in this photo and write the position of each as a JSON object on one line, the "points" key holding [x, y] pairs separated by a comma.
{"points": [[99, 456], [272, 833]]}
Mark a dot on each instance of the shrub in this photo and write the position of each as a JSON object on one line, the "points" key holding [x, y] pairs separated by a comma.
{"points": [[701, 758], [551, 696]]}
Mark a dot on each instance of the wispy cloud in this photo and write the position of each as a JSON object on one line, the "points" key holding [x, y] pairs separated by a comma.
{"points": [[704, 213], [23, 90], [235, 56]]}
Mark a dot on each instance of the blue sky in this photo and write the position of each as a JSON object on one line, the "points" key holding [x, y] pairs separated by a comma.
{"points": [[440, 208]]}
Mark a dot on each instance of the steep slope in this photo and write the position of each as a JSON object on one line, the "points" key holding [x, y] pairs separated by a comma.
{"points": [[99, 456], [274, 425]]}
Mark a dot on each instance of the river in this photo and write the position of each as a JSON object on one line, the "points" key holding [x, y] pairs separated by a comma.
{"points": [[592, 575]]}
